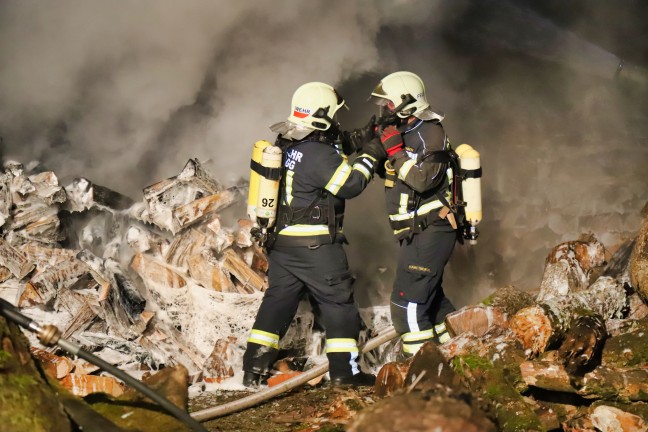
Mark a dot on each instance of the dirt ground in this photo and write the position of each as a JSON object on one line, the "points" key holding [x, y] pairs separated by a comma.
{"points": [[307, 409]]}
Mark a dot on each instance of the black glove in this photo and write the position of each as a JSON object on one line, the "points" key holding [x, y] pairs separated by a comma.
{"points": [[359, 137], [376, 150]]}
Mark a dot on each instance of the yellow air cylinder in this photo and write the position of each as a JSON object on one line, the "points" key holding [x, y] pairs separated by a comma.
{"points": [[266, 209], [255, 178], [471, 184]]}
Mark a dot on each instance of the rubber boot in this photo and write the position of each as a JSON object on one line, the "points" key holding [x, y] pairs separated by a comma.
{"points": [[361, 379], [257, 364], [253, 379]]}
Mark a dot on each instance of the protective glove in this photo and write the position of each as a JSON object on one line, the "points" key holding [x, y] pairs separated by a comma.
{"points": [[375, 150], [391, 140], [359, 137]]}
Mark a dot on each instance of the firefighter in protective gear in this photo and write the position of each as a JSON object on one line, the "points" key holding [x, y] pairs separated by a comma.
{"points": [[307, 253], [418, 188]]}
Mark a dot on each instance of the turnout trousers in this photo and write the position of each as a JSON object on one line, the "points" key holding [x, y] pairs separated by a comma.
{"points": [[323, 272], [418, 304]]}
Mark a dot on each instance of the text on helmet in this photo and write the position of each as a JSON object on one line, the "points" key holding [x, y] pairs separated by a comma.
{"points": [[301, 112]]}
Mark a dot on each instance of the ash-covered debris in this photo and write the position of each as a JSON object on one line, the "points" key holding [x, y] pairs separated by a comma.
{"points": [[146, 284], [572, 357]]}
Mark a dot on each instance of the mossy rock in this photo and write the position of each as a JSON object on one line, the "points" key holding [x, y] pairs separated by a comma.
{"points": [[28, 403], [135, 412]]}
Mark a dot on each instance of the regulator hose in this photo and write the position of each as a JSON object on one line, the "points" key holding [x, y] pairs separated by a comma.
{"points": [[257, 398], [50, 335]]}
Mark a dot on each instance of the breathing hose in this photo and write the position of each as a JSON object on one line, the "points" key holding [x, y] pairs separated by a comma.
{"points": [[254, 399], [50, 335]]}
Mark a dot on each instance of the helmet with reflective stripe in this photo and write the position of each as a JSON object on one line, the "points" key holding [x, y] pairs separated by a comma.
{"points": [[313, 106], [407, 93]]}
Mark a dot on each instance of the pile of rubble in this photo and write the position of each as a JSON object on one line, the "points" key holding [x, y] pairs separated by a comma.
{"points": [[572, 356], [143, 284]]}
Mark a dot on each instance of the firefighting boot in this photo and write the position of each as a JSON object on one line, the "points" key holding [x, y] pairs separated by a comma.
{"points": [[361, 379], [253, 379], [257, 364]]}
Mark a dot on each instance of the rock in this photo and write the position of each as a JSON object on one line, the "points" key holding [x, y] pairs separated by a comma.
{"points": [[28, 403]]}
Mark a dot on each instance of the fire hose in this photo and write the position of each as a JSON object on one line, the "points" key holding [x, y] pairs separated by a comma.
{"points": [[257, 398], [50, 335]]}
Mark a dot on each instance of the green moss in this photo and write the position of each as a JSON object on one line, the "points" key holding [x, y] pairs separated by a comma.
{"points": [[331, 428], [505, 405], [128, 416], [629, 349], [353, 404], [21, 381], [461, 364], [488, 301], [28, 405], [5, 358]]}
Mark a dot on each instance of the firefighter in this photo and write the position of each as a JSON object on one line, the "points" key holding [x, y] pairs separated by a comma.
{"points": [[307, 254], [418, 186]]}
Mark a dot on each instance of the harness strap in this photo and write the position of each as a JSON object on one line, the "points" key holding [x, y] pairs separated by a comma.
{"points": [[476, 173], [269, 173], [422, 222]]}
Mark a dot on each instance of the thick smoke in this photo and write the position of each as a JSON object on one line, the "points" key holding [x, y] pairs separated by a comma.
{"points": [[125, 94]]}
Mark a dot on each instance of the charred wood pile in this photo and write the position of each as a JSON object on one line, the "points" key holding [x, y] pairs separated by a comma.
{"points": [[571, 356], [169, 281], [160, 282]]}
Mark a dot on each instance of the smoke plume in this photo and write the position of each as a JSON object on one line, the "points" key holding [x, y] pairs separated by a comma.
{"points": [[124, 94]]}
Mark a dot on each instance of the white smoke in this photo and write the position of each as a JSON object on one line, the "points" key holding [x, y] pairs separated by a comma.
{"points": [[126, 92]]}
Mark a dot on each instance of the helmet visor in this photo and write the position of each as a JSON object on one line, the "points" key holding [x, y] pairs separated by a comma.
{"points": [[290, 130], [379, 96]]}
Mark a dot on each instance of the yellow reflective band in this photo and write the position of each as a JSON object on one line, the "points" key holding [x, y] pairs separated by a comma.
{"points": [[411, 348], [445, 337], [339, 177], [400, 230], [304, 230], [440, 328], [341, 345], [424, 209], [417, 336], [365, 155], [402, 205], [360, 167], [405, 169], [264, 338], [289, 184]]}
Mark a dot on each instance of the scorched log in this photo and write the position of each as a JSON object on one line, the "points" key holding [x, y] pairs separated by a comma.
{"points": [[248, 278], [196, 211], [624, 384], [84, 195], [639, 259], [13, 259], [568, 307]]}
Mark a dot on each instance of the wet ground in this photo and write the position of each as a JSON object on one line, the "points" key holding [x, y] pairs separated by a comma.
{"points": [[321, 408]]}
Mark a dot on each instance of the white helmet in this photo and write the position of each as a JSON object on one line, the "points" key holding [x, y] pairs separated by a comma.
{"points": [[313, 106], [407, 92]]}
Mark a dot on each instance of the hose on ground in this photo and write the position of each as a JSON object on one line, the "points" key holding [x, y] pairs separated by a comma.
{"points": [[49, 335], [270, 392]]}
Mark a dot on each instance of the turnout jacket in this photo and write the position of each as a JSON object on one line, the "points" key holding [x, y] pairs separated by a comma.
{"points": [[420, 184], [316, 179]]}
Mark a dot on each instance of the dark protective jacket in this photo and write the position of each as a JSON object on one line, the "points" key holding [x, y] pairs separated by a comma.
{"points": [[316, 179], [421, 182]]}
